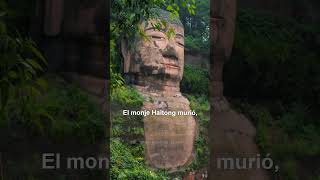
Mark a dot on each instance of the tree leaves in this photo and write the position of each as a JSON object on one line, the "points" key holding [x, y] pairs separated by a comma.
{"points": [[21, 65], [171, 33], [126, 15], [169, 8]]}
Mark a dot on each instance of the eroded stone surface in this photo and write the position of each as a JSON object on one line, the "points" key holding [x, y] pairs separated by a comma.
{"points": [[157, 62], [169, 139]]}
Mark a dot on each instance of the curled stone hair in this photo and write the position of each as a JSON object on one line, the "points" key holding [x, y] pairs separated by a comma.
{"points": [[165, 15]]}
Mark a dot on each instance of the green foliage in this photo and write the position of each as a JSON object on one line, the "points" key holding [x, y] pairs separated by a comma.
{"points": [[127, 153], [274, 58], [290, 137], [126, 15], [129, 127], [200, 105], [127, 96], [275, 65], [63, 111], [75, 115], [196, 43], [124, 165], [171, 33], [22, 65], [195, 80], [197, 27], [116, 79]]}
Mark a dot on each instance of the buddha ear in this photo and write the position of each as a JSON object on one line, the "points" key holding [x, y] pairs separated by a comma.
{"points": [[126, 55]]}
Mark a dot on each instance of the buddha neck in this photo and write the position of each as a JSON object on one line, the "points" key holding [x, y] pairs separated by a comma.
{"points": [[155, 85]]}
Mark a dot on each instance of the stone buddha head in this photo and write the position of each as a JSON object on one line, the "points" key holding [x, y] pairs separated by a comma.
{"points": [[156, 59]]}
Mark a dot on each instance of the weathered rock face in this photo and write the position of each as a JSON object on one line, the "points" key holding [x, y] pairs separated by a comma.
{"points": [[155, 68], [157, 62], [169, 139]]}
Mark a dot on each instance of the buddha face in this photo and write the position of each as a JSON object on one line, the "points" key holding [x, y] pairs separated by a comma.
{"points": [[159, 55]]}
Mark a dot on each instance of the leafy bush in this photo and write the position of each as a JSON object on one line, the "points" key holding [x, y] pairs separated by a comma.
{"points": [[22, 65], [75, 115], [290, 138], [124, 165], [200, 105], [127, 127], [195, 81], [273, 58], [275, 66], [197, 44], [127, 96], [197, 27], [21, 68], [127, 153], [63, 111]]}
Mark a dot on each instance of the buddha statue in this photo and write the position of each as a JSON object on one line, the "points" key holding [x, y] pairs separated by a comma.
{"points": [[154, 66]]}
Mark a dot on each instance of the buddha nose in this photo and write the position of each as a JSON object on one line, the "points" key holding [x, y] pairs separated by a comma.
{"points": [[170, 52]]}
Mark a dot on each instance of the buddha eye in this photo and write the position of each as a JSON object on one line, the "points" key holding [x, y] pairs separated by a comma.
{"points": [[180, 43], [157, 37]]}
